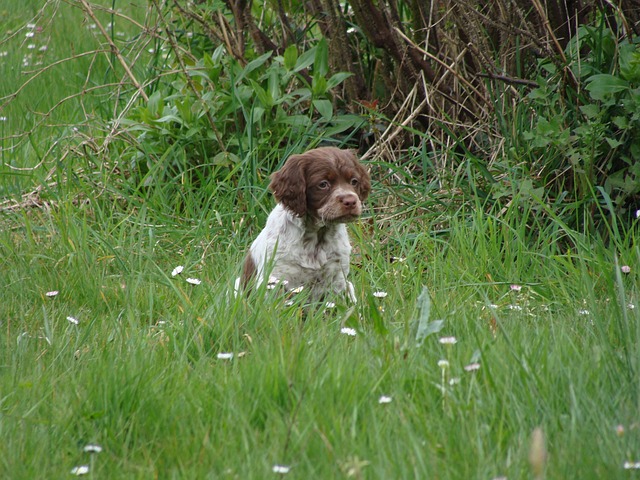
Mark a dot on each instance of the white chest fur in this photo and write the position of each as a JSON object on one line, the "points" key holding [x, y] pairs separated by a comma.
{"points": [[290, 248]]}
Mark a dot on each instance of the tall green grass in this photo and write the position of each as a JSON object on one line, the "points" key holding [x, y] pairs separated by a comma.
{"points": [[140, 376]]}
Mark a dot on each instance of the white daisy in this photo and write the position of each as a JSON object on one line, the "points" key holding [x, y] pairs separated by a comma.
{"points": [[349, 331], [282, 469], [472, 367], [380, 294], [448, 340], [80, 470], [52, 293], [385, 399], [225, 355], [194, 281], [177, 271], [443, 364], [92, 448], [73, 320]]}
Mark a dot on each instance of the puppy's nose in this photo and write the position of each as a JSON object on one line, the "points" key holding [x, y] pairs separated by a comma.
{"points": [[349, 200]]}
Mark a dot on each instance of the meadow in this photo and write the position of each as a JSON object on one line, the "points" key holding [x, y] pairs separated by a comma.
{"points": [[485, 343]]}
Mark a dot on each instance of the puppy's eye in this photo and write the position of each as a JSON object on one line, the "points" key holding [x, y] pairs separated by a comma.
{"points": [[323, 185], [354, 181]]}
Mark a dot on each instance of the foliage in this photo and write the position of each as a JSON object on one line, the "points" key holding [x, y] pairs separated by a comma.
{"points": [[585, 128], [218, 111]]}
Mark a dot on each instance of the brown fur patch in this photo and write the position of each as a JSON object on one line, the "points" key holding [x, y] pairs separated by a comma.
{"points": [[248, 271], [295, 184]]}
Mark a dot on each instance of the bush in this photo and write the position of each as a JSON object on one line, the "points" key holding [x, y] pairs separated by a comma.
{"points": [[218, 113], [581, 129]]}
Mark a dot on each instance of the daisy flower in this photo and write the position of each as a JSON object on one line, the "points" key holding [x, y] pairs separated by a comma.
{"points": [[80, 470], [282, 469], [472, 367], [443, 364]]}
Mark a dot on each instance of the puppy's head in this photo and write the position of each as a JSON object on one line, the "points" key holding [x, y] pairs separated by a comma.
{"points": [[327, 184]]}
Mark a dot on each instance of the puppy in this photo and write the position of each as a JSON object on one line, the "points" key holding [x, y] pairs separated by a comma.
{"points": [[305, 241]]}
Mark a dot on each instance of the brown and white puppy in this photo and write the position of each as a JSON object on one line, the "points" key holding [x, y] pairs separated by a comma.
{"points": [[305, 241]]}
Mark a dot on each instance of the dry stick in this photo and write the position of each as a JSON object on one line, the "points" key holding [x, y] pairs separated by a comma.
{"points": [[225, 34], [547, 27], [443, 64], [510, 80], [115, 50], [116, 13], [387, 135]]}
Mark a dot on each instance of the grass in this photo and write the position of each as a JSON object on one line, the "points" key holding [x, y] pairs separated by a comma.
{"points": [[140, 374], [547, 312]]}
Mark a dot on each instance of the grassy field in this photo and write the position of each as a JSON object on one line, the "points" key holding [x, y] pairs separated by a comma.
{"points": [[472, 331]]}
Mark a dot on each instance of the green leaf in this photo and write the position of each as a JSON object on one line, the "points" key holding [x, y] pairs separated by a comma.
{"points": [[155, 104], [426, 328], [225, 159], [604, 85], [169, 118], [325, 108], [290, 57], [274, 85], [321, 60], [253, 65], [621, 122], [256, 114], [590, 111], [337, 79], [613, 143], [296, 120], [374, 315], [263, 96], [319, 86], [629, 61], [305, 60], [340, 123]]}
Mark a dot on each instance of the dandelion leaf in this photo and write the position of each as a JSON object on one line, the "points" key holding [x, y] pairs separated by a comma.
{"points": [[425, 327]]}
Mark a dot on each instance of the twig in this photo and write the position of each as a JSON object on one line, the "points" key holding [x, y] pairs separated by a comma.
{"points": [[115, 50], [511, 80]]}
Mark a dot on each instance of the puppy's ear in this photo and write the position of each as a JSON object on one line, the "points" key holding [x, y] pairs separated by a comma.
{"points": [[289, 185], [364, 184]]}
